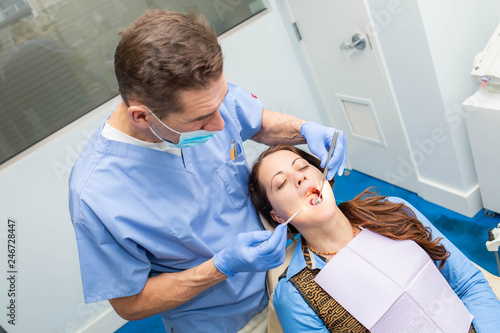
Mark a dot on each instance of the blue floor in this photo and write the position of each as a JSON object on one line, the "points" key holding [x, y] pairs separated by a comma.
{"points": [[468, 234]]}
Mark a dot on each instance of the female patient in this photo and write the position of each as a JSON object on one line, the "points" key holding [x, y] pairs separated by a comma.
{"points": [[285, 179]]}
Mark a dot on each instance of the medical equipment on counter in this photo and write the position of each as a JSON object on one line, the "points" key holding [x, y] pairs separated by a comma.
{"points": [[494, 242], [487, 64], [482, 116], [317, 200]]}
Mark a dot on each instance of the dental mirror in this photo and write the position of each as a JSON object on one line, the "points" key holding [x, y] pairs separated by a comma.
{"points": [[317, 200]]}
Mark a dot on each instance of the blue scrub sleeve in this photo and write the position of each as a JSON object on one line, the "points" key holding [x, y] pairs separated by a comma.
{"points": [[466, 280], [108, 269], [245, 109], [294, 313]]}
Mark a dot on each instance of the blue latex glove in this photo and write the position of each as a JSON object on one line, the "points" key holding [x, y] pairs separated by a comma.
{"points": [[319, 139], [244, 254]]}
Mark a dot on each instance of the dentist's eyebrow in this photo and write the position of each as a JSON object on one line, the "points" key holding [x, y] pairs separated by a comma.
{"points": [[203, 117], [280, 172], [210, 114]]}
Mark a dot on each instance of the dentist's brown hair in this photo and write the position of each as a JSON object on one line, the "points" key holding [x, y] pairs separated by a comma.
{"points": [[164, 53]]}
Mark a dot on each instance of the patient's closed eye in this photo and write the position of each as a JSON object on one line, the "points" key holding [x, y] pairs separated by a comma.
{"points": [[301, 164], [282, 181], [282, 184]]}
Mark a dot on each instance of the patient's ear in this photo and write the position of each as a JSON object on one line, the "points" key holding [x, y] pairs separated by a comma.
{"points": [[276, 217]]}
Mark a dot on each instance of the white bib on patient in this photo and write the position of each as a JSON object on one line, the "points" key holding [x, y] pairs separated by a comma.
{"points": [[393, 286]]}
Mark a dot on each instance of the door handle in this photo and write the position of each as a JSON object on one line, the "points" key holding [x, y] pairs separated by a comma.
{"points": [[357, 42]]}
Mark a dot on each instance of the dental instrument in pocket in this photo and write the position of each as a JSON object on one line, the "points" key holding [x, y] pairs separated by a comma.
{"points": [[317, 200]]}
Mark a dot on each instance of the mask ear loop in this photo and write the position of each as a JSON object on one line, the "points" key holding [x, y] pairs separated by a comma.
{"points": [[161, 122]]}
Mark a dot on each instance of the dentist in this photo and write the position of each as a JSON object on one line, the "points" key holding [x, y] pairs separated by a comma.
{"points": [[159, 201]]}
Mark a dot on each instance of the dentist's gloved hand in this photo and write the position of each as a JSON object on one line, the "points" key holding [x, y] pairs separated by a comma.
{"points": [[319, 139], [244, 254]]}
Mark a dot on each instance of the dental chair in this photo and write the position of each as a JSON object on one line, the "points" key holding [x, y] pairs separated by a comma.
{"points": [[493, 280], [273, 324]]}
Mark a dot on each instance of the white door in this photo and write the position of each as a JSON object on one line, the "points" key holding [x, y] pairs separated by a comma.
{"points": [[354, 87]]}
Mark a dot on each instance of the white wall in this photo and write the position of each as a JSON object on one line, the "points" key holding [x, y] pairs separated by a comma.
{"points": [[258, 56], [428, 48], [262, 58], [456, 31], [49, 295]]}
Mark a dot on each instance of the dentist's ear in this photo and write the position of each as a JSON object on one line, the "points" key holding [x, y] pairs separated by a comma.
{"points": [[276, 217], [138, 115]]}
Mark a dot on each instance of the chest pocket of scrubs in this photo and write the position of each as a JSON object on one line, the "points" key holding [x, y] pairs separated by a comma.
{"points": [[235, 175]]}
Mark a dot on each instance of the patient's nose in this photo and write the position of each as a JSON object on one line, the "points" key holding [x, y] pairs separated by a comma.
{"points": [[300, 180]]}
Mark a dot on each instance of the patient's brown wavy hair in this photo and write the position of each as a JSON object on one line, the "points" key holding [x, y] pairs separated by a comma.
{"points": [[368, 209]]}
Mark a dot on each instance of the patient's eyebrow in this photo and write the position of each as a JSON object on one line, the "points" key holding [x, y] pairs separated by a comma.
{"points": [[280, 172]]}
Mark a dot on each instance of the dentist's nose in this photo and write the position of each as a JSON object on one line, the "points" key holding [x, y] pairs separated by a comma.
{"points": [[216, 123]]}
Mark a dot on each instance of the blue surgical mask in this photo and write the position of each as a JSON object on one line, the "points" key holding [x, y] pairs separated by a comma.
{"points": [[187, 139]]}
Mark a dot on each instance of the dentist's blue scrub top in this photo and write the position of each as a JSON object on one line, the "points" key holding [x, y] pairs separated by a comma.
{"points": [[465, 279], [138, 212]]}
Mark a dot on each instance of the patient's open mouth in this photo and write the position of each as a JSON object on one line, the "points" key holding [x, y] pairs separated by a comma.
{"points": [[312, 197]]}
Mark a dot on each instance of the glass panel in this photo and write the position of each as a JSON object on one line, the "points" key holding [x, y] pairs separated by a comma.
{"points": [[56, 58], [222, 14], [12, 11]]}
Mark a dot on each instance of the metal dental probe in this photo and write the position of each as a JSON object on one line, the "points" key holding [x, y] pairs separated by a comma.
{"points": [[317, 200], [287, 221], [293, 216]]}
